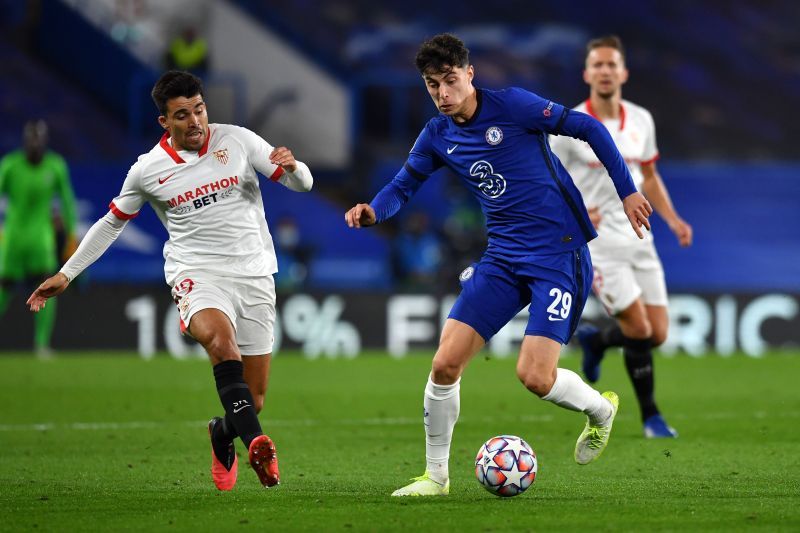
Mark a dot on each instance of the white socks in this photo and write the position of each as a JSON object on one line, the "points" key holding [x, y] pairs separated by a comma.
{"points": [[442, 404], [570, 392]]}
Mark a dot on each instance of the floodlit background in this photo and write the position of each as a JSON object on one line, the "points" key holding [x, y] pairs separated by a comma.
{"points": [[335, 82]]}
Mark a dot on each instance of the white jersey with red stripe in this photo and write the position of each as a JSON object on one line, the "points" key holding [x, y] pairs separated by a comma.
{"points": [[635, 136], [209, 201]]}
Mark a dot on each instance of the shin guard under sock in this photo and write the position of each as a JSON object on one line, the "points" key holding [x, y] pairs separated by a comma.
{"points": [[638, 356], [237, 400]]}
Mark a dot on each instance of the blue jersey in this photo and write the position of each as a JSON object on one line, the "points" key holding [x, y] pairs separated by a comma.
{"points": [[502, 155]]}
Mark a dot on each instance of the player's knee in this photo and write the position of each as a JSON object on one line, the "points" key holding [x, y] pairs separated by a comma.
{"points": [[638, 329], [445, 372], [221, 348], [538, 383], [659, 336]]}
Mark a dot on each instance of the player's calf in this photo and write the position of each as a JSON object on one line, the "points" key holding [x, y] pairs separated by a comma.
{"points": [[592, 352]]}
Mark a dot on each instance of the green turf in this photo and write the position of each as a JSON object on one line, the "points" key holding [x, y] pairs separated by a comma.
{"points": [[122, 445]]}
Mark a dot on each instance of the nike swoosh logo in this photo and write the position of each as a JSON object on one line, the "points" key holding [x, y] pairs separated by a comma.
{"points": [[240, 408], [162, 181], [451, 150], [551, 318]]}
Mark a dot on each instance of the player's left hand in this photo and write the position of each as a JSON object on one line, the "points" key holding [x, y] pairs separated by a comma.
{"points": [[360, 216], [282, 156], [52, 286], [683, 231], [637, 208]]}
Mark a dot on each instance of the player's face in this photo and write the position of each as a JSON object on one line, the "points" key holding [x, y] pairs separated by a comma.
{"points": [[35, 140], [605, 71], [186, 121], [452, 91]]}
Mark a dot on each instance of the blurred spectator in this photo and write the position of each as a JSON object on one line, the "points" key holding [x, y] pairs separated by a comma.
{"points": [[293, 255], [724, 60], [188, 52], [30, 178], [417, 253]]}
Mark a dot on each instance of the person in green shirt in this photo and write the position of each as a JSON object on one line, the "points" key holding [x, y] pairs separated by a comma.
{"points": [[30, 179], [188, 51]]}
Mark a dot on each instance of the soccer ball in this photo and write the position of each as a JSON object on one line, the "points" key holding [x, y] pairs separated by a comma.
{"points": [[506, 465]]}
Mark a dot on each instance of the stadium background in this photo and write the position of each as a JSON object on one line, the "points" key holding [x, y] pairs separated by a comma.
{"points": [[340, 89]]}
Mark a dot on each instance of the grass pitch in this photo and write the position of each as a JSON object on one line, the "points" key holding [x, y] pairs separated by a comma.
{"points": [[110, 442]]}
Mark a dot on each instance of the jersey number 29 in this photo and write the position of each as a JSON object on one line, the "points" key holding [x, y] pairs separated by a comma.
{"points": [[560, 298]]}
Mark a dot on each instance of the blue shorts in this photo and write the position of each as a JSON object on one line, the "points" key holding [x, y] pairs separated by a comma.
{"points": [[556, 286]]}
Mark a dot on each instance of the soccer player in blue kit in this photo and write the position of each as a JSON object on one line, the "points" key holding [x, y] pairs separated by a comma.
{"points": [[538, 227]]}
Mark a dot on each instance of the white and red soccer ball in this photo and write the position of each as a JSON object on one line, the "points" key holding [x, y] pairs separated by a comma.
{"points": [[506, 465]]}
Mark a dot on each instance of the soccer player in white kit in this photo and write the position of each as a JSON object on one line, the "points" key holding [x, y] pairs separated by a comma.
{"points": [[629, 279], [201, 181]]}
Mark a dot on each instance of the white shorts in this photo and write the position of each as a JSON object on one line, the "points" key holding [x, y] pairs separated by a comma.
{"points": [[622, 275], [249, 303]]}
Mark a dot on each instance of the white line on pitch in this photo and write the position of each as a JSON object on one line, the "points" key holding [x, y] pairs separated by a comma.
{"points": [[399, 421], [99, 426]]}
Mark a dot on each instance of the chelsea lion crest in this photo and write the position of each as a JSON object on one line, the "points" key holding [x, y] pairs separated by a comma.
{"points": [[494, 135], [467, 273]]}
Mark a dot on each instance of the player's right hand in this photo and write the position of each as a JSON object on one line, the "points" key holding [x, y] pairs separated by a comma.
{"points": [[360, 216], [638, 209], [52, 286], [595, 216]]}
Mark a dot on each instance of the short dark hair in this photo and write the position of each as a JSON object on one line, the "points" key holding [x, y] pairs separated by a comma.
{"points": [[606, 41], [173, 84], [440, 52]]}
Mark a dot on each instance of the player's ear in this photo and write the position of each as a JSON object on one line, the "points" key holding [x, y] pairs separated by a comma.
{"points": [[586, 77], [163, 121], [470, 73], [624, 75]]}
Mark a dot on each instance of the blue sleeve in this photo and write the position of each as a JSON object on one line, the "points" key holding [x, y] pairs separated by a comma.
{"points": [[582, 126], [535, 113], [421, 163]]}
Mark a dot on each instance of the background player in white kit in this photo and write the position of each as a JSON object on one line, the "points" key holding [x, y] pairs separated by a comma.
{"points": [[629, 279], [201, 181]]}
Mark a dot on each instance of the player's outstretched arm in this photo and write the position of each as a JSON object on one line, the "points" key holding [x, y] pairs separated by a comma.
{"points": [[360, 216], [97, 240], [52, 286], [389, 199], [638, 209]]}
